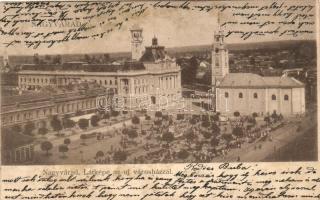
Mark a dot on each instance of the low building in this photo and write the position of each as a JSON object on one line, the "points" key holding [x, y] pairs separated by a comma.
{"points": [[248, 93], [16, 148], [38, 107]]}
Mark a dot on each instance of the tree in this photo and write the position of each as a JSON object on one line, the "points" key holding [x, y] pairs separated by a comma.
{"points": [[214, 141], [94, 120], [236, 114], [206, 134], [215, 129], [254, 115], [216, 118], [158, 114], [180, 116], [46, 146], [42, 131], [274, 116], [135, 120], [205, 124], [68, 123], [63, 149], [238, 132], [114, 113], [67, 141], [267, 120], [120, 156], [190, 136], [56, 124], [147, 117], [57, 59], [167, 137], [99, 155], [158, 122], [125, 131], [227, 137], [28, 128], [48, 59], [193, 121], [87, 58], [36, 59], [132, 133], [183, 154], [165, 117], [83, 123]]}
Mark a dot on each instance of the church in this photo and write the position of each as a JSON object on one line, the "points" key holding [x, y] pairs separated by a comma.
{"points": [[247, 92]]}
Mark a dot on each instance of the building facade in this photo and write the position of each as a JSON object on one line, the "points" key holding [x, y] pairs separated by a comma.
{"points": [[38, 108], [248, 92], [147, 78]]}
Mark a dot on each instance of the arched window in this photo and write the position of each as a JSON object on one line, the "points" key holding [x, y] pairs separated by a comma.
{"points": [[226, 95], [255, 95], [286, 97], [273, 97], [240, 95]]}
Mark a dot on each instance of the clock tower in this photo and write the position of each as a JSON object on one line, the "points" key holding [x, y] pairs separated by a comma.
{"points": [[136, 42], [219, 57]]}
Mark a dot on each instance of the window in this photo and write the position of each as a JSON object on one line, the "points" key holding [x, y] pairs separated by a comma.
{"points": [[226, 95], [255, 95], [240, 95], [273, 97], [105, 82], [110, 82], [286, 97]]}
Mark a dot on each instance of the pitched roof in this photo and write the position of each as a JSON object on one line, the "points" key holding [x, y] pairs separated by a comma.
{"points": [[249, 80]]}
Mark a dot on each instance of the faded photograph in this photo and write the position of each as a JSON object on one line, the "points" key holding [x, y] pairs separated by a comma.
{"points": [[173, 83]]}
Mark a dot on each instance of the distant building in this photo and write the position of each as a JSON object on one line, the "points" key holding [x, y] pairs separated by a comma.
{"points": [[247, 92], [153, 74]]}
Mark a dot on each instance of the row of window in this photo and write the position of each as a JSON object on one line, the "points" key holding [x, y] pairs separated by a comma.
{"points": [[106, 82], [65, 108], [34, 80], [255, 96]]}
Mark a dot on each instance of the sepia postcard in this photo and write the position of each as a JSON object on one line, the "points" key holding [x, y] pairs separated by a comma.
{"points": [[219, 98]]}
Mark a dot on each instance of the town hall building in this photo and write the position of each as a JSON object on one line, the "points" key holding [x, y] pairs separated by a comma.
{"points": [[151, 77], [247, 92]]}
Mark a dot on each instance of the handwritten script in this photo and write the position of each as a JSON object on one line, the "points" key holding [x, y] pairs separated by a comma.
{"points": [[35, 24], [189, 181]]}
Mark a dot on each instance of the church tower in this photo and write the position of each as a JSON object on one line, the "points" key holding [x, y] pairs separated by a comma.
{"points": [[5, 58], [220, 57], [136, 42]]}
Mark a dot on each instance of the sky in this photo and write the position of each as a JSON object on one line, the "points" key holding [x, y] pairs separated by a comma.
{"points": [[172, 27]]}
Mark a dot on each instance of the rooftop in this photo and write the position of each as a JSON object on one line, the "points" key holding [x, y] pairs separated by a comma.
{"points": [[48, 96], [241, 80], [154, 52], [83, 66]]}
